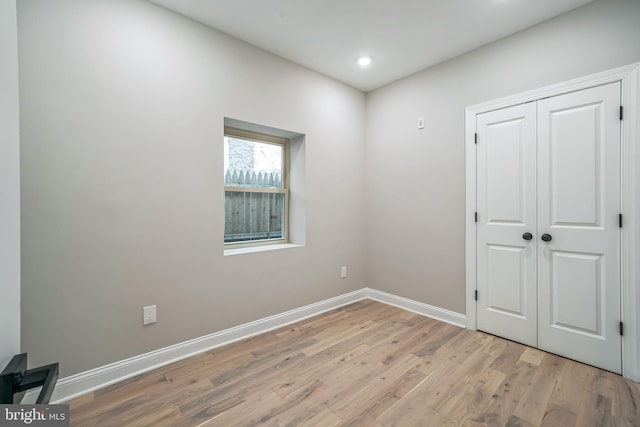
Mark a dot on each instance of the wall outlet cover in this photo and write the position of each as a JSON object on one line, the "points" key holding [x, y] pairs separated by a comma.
{"points": [[149, 315]]}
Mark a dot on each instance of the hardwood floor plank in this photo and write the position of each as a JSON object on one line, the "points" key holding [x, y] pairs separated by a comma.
{"points": [[440, 334], [626, 401], [567, 389], [532, 355], [500, 409], [316, 366], [376, 393], [366, 411], [595, 410], [324, 418], [81, 401], [317, 323], [210, 405], [330, 337], [468, 397], [425, 397], [272, 361], [367, 364], [297, 408], [508, 358], [556, 416], [426, 418], [533, 402]]}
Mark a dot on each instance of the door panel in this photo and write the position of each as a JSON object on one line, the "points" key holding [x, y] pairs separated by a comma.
{"points": [[506, 169], [576, 292], [575, 156], [578, 206], [504, 147], [505, 271]]}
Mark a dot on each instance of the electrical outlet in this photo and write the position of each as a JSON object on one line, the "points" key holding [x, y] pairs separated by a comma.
{"points": [[149, 315], [343, 272]]}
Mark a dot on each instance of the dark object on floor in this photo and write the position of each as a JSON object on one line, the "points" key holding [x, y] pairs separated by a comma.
{"points": [[16, 379]]}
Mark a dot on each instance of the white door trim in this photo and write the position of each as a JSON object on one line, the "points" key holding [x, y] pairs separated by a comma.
{"points": [[630, 245]]}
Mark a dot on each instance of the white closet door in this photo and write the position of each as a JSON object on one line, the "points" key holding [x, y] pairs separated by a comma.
{"points": [[506, 170], [578, 206]]}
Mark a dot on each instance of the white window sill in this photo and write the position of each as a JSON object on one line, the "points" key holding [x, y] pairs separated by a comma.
{"points": [[253, 249]]}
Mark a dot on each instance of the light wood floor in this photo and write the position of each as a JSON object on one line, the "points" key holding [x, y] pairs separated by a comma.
{"points": [[367, 364]]}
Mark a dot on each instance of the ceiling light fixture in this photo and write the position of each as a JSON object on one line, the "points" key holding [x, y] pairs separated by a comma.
{"points": [[364, 61]]}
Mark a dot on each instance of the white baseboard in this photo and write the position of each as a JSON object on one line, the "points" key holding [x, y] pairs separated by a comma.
{"points": [[85, 382], [427, 310]]}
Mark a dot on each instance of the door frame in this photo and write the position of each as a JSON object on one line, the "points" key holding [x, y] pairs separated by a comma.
{"points": [[629, 76]]}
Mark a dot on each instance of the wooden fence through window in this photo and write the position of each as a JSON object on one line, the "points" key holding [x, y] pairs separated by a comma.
{"points": [[253, 215]]}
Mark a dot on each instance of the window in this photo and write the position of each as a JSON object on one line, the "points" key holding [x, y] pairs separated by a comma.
{"points": [[256, 198]]}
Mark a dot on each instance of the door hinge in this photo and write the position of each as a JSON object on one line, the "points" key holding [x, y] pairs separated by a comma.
{"points": [[476, 295], [475, 217], [621, 112], [621, 329], [620, 220], [475, 139]]}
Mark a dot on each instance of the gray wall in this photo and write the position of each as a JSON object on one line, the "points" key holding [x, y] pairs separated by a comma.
{"points": [[416, 179], [9, 185], [122, 107]]}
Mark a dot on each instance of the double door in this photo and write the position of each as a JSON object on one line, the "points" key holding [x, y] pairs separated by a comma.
{"points": [[548, 236]]}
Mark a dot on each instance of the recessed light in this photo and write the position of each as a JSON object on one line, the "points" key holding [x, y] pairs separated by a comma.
{"points": [[364, 61]]}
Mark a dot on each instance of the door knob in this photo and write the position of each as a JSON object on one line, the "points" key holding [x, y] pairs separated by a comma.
{"points": [[546, 237], [527, 236]]}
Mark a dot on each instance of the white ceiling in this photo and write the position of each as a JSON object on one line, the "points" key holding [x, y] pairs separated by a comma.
{"points": [[402, 36]]}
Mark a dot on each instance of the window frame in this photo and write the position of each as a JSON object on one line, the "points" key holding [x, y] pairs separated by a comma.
{"points": [[263, 138]]}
